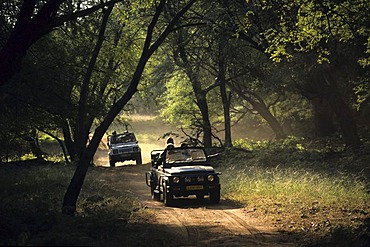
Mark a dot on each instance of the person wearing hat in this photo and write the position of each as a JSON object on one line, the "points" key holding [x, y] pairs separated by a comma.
{"points": [[170, 143]]}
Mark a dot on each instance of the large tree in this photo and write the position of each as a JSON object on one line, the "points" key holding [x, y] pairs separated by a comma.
{"points": [[338, 34], [153, 39], [25, 22], [56, 67], [200, 50], [200, 92], [331, 30], [211, 57], [36, 19]]}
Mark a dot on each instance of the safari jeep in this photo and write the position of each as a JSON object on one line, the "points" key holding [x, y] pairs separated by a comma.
{"points": [[123, 147], [181, 172]]}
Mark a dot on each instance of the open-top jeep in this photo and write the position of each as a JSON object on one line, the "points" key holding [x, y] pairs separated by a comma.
{"points": [[123, 147], [180, 172]]}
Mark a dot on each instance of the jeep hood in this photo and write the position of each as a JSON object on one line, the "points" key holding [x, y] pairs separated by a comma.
{"points": [[188, 169]]}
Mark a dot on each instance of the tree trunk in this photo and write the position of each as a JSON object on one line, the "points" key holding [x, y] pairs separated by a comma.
{"points": [[61, 144], [34, 145], [200, 94], [346, 121], [85, 154], [323, 117], [74, 188], [259, 105], [324, 82], [227, 120], [270, 119], [222, 42], [206, 123], [68, 141]]}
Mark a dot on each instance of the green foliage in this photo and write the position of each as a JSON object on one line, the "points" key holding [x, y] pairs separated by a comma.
{"points": [[362, 91], [365, 61], [291, 143], [177, 102], [46, 92], [310, 25]]}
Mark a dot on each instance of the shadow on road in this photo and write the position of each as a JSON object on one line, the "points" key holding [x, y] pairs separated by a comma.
{"points": [[193, 202]]}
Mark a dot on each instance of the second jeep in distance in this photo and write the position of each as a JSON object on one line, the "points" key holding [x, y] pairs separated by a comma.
{"points": [[123, 147]]}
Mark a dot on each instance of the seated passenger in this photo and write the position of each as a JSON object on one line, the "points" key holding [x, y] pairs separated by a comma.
{"points": [[169, 145]]}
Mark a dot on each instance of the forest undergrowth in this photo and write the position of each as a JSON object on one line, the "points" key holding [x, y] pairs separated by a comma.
{"points": [[316, 188], [298, 186]]}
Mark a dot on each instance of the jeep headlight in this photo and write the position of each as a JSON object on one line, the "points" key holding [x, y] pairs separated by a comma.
{"points": [[211, 178], [176, 180], [115, 151]]}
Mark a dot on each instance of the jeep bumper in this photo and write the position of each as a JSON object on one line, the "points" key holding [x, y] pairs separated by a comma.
{"points": [[124, 156], [194, 189]]}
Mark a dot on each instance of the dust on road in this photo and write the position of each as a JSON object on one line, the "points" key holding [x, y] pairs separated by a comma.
{"points": [[189, 222], [192, 222]]}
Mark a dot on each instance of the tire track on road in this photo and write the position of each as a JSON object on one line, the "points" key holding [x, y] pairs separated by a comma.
{"points": [[188, 233], [233, 217], [235, 226], [190, 222]]}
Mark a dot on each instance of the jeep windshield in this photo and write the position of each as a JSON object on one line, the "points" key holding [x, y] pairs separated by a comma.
{"points": [[123, 138], [185, 155]]}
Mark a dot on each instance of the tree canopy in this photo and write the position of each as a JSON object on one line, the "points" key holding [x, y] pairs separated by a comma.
{"points": [[70, 67]]}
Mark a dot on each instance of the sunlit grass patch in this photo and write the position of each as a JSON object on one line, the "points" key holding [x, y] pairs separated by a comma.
{"points": [[287, 169], [305, 191], [295, 185]]}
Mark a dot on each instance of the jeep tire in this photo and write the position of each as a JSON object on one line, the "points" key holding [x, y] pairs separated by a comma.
{"points": [[200, 196], [156, 196], [167, 196], [139, 160], [112, 163], [214, 196]]}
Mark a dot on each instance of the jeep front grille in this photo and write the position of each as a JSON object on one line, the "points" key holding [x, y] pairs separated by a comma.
{"points": [[194, 179], [124, 150]]}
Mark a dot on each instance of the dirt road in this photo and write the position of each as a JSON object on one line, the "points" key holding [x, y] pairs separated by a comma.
{"points": [[192, 222]]}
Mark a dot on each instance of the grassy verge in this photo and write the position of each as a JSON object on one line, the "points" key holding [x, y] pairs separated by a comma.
{"points": [[322, 194], [30, 203]]}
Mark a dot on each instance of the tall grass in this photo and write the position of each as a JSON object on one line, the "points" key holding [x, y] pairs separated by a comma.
{"points": [[291, 185], [298, 188]]}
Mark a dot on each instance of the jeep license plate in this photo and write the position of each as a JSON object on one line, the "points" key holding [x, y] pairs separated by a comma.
{"points": [[125, 155], [194, 187]]}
